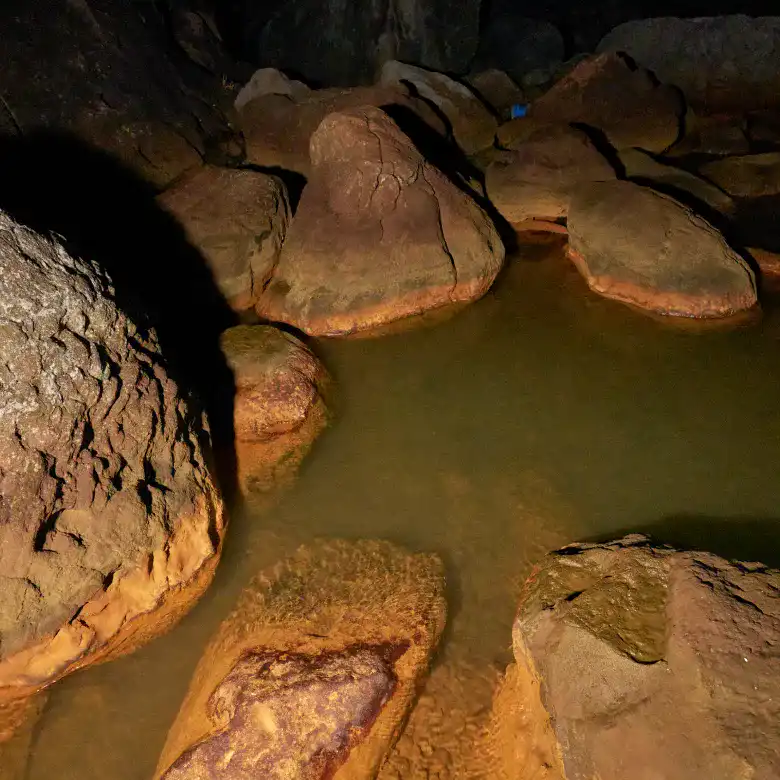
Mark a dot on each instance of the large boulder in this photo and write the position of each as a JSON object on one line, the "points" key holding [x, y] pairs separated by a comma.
{"points": [[746, 176], [109, 73], [497, 89], [315, 671], [473, 126], [279, 407], [269, 81], [237, 219], [719, 62], [644, 248], [110, 522], [611, 94], [379, 235], [534, 179], [653, 663]]}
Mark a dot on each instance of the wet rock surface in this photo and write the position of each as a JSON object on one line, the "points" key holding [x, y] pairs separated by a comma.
{"points": [[237, 219], [643, 248], [315, 670], [654, 662], [110, 522], [379, 235], [279, 406]]}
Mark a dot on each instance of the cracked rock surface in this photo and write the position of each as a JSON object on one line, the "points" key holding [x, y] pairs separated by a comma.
{"points": [[110, 523], [379, 235]]}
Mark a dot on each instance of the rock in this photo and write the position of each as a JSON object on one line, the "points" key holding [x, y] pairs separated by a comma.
{"points": [[473, 126], [654, 662], [719, 62], [108, 73], [763, 129], [18, 729], [609, 93], [379, 235], [270, 81], [279, 407], [644, 248], [714, 135], [110, 522], [237, 219], [768, 263], [535, 178], [749, 176], [643, 168], [316, 669], [497, 90], [278, 128]]}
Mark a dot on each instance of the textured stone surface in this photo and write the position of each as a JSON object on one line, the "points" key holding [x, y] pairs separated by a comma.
{"points": [[110, 523], [719, 62], [655, 663], [497, 89], [237, 219], [646, 249], [535, 177], [348, 623], [379, 235], [279, 407], [747, 176], [269, 81], [608, 93]]}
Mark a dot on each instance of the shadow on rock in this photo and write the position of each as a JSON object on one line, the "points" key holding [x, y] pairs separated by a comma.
{"points": [[53, 182]]}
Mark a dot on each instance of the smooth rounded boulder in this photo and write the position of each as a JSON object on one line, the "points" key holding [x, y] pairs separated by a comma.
{"points": [[237, 219], [746, 176], [642, 247], [314, 673], [110, 520], [380, 235]]}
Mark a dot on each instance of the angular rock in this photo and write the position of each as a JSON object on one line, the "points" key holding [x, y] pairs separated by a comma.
{"points": [[497, 90], [279, 407], [534, 179], [610, 94], [719, 62], [110, 522], [270, 81], [108, 73], [472, 124], [644, 248], [748, 176], [654, 662], [237, 219], [714, 135], [380, 235], [316, 669]]}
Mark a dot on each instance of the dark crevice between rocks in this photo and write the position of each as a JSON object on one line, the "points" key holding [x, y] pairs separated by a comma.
{"points": [[55, 183], [293, 181]]}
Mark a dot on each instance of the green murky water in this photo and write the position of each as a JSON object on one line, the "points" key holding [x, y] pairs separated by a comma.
{"points": [[540, 415]]}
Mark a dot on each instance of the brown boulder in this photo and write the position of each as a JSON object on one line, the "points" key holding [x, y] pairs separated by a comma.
{"points": [[279, 408], [379, 235], [497, 89], [747, 176], [237, 219], [644, 248], [315, 671], [653, 662], [609, 93], [110, 522], [534, 179]]}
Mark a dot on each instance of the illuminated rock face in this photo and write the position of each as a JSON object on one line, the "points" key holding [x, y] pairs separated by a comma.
{"points": [[110, 522]]}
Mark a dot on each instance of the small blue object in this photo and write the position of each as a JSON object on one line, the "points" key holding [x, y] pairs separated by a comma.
{"points": [[519, 110]]}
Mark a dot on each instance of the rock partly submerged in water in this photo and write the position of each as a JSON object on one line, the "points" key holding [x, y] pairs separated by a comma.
{"points": [[316, 669], [380, 235], [110, 521]]}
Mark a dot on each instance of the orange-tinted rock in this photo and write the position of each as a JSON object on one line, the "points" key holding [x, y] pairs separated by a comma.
{"points": [[110, 522], [654, 662], [768, 263], [644, 248], [380, 235], [237, 219], [314, 673], [279, 408], [609, 93]]}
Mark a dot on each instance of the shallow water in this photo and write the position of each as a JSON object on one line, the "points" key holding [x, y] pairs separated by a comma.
{"points": [[540, 415]]}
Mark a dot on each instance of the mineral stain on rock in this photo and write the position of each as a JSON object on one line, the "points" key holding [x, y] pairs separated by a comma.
{"points": [[290, 715]]}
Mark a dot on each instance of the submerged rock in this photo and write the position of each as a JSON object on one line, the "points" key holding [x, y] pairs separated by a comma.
{"points": [[315, 671], [237, 219], [644, 248], [110, 522], [379, 235], [279, 407], [651, 662]]}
